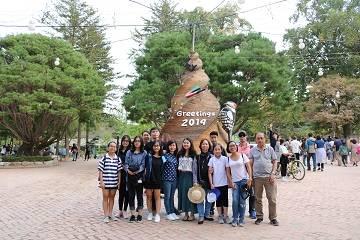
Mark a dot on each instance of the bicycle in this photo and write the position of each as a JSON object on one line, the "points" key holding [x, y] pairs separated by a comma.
{"points": [[295, 168]]}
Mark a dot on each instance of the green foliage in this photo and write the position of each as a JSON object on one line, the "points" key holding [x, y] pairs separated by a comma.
{"points": [[39, 99], [26, 158], [331, 39]]}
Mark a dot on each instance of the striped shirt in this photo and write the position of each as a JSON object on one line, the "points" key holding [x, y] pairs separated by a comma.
{"points": [[110, 168]]}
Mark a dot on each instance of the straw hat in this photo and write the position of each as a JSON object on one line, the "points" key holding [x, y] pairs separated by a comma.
{"points": [[196, 194]]}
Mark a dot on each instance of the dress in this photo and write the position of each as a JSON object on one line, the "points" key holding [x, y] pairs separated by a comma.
{"points": [[154, 181], [185, 179], [320, 151]]}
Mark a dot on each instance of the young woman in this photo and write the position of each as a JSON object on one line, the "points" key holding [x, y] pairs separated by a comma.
{"points": [[219, 178], [109, 168], [239, 169], [134, 167], [153, 177], [170, 166], [320, 153], [355, 154], [125, 145], [202, 161], [187, 177], [344, 152], [74, 151]]}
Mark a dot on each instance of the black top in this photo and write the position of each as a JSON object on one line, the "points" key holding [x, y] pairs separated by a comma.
{"points": [[202, 173], [154, 181]]}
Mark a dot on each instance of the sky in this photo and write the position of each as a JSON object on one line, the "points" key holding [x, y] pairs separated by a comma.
{"points": [[273, 19]]}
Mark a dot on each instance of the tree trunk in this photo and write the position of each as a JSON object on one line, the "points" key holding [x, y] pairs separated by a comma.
{"points": [[28, 149], [66, 144], [79, 136], [347, 130], [87, 132], [57, 147]]}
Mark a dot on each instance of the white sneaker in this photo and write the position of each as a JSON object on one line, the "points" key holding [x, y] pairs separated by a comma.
{"points": [[157, 218], [175, 216], [284, 179], [112, 218], [125, 215], [106, 220], [170, 217], [150, 217]]}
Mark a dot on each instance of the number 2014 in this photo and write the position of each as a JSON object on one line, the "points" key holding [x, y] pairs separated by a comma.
{"points": [[193, 122]]}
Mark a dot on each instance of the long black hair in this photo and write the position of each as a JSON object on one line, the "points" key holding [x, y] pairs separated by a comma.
{"points": [[121, 147], [160, 150], [141, 144], [168, 145], [192, 152]]}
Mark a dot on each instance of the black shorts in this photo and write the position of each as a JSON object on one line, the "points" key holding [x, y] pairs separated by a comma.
{"points": [[223, 200]]}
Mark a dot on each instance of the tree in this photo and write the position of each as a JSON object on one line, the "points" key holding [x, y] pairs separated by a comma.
{"points": [[331, 41], [40, 98], [80, 24], [334, 103]]}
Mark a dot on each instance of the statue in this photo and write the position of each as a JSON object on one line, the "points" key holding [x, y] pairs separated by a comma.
{"points": [[194, 109]]}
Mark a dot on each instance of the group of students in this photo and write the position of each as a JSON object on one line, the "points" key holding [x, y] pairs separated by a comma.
{"points": [[158, 165]]}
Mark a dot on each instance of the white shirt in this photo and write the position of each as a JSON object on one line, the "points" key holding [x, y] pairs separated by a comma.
{"points": [[238, 168], [295, 146], [219, 175], [283, 150]]}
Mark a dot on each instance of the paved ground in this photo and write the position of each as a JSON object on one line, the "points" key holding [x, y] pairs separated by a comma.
{"points": [[64, 203]]}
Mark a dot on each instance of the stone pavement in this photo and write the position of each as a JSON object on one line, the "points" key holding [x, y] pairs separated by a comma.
{"points": [[64, 203]]}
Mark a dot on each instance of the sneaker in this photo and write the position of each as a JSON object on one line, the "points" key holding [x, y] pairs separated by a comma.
{"points": [[253, 214], [139, 218], [221, 220], [234, 224], [150, 217], [157, 218], [241, 224], [170, 217], [125, 215], [318, 169], [274, 222], [322, 169], [227, 220], [284, 179], [201, 220], [106, 220], [258, 221], [210, 219], [132, 219], [112, 218], [175, 216]]}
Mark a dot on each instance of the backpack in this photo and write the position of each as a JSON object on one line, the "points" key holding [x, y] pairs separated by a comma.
{"points": [[311, 148], [343, 150]]}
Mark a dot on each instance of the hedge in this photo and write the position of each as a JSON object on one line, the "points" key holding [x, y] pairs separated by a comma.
{"points": [[26, 158]]}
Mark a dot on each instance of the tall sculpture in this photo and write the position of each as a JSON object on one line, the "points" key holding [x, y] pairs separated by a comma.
{"points": [[194, 109]]}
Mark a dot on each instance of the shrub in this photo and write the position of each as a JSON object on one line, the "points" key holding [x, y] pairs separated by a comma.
{"points": [[26, 158]]}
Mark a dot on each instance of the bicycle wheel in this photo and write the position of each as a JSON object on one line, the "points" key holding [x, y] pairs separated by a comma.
{"points": [[297, 170]]}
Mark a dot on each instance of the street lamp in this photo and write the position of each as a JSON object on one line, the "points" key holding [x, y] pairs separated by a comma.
{"points": [[237, 49]]}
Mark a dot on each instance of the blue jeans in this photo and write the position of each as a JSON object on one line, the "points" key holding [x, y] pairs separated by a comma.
{"points": [[313, 156], [169, 192], [238, 202], [204, 212]]}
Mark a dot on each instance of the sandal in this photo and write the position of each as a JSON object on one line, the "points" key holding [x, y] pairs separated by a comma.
{"points": [[186, 218], [191, 218]]}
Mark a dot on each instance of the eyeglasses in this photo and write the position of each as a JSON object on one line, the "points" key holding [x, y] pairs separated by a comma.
{"points": [[137, 141], [242, 135]]}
